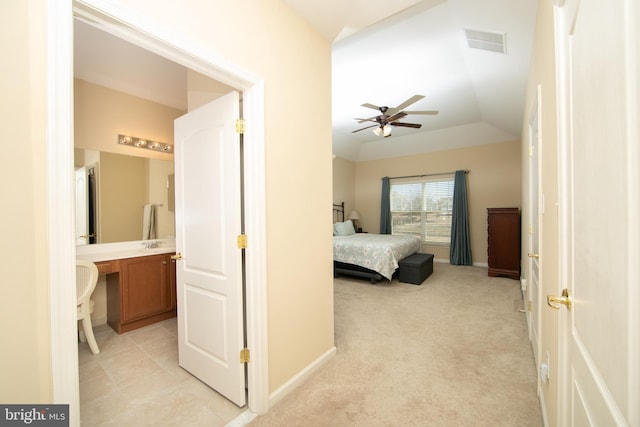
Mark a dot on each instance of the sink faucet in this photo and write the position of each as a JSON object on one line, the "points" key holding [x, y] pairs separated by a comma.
{"points": [[151, 244]]}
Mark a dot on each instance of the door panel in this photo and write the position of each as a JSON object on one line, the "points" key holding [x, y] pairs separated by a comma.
{"points": [[599, 334], [208, 221]]}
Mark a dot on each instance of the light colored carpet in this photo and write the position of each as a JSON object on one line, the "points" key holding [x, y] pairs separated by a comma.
{"points": [[451, 352]]}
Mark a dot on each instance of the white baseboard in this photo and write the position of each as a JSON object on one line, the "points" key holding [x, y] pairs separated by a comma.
{"points": [[300, 377], [98, 321], [242, 420], [543, 408], [475, 264]]}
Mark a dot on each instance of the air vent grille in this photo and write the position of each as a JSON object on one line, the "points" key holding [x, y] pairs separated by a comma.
{"points": [[494, 42]]}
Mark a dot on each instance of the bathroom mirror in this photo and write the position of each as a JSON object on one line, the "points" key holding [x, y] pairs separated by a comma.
{"points": [[112, 191]]}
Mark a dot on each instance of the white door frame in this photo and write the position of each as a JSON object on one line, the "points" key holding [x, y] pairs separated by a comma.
{"points": [[60, 192], [534, 295]]}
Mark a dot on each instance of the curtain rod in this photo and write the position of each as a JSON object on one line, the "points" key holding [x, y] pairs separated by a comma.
{"points": [[422, 176]]}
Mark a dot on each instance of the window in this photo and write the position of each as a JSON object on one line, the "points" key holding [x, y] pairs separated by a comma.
{"points": [[423, 206]]}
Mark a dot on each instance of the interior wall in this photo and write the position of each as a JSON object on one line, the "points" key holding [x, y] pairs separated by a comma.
{"points": [[264, 37], [493, 182], [270, 40], [344, 183], [542, 73], [201, 90], [25, 365], [121, 204], [100, 114]]}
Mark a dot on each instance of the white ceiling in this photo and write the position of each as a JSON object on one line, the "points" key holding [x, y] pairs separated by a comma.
{"points": [[109, 61], [384, 52], [423, 50]]}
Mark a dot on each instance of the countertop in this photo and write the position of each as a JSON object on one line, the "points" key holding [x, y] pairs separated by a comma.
{"points": [[111, 251]]}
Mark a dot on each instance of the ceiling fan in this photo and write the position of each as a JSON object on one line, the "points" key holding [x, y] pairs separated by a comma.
{"points": [[389, 117]]}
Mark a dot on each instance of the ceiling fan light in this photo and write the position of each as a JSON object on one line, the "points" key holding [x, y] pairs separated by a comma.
{"points": [[378, 131], [387, 130]]}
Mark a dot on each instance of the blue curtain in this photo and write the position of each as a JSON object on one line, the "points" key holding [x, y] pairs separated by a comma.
{"points": [[460, 249], [385, 207]]}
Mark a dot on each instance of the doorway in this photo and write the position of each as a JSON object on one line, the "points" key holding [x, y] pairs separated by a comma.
{"points": [[60, 189]]}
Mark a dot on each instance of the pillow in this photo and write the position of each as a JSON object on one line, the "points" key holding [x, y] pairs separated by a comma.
{"points": [[344, 228]]}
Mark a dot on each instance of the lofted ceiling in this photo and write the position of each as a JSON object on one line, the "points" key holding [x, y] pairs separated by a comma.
{"points": [[389, 51], [383, 53]]}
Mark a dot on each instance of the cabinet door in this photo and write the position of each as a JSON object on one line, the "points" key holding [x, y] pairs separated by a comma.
{"points": [[144, 287]]}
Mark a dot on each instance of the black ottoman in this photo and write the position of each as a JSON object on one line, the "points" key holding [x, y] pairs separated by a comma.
{"points": [[416, 268]]}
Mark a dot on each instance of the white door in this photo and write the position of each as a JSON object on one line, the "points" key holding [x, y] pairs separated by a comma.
{"points": [[599, 193], [533, 293], [82, 207], [208, 222]]}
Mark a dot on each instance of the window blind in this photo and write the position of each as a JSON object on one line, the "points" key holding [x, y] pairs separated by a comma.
{"points": [[423, 206]]}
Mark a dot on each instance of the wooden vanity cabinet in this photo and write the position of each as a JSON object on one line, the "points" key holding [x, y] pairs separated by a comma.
{"points": [[142, 293]]}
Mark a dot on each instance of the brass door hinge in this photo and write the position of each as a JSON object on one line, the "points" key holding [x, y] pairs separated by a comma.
{"points": [[530, 305], [245, 355], [240, 126], [242, 241]]}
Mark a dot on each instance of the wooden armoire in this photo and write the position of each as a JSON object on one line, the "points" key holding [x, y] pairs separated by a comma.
{"points": [[503, 229]]}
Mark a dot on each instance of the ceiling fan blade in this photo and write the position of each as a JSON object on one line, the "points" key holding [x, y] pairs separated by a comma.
{"points": [[433, 112], [407, 125], [370, 119], [366, 104], [412, 100], [397, 116], [368, 127]]}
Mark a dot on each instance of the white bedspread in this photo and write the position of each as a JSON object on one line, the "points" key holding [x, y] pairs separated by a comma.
{"points": [[377, 252]]}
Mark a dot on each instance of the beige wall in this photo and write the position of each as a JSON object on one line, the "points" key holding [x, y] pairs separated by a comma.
{"points": [[493, 181], [201, 90], [24, 326], [121, 216], [298, 173], [101, 114], [542, 73], [344, 184]]}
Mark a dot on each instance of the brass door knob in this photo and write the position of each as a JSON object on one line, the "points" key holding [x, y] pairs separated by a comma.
{"points": [[176, 256], [566, 300]]}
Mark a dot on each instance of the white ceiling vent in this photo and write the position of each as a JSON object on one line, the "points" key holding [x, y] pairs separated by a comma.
{"points": [[494, 42]]}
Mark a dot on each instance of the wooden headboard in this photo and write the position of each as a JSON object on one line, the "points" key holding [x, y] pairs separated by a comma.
{"points": [[338, 212]]}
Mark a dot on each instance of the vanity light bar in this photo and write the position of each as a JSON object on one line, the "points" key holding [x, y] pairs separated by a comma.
{"points": [[145, 143]]}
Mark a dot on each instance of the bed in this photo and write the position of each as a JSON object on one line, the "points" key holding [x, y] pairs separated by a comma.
{"points": [[371, 256]]}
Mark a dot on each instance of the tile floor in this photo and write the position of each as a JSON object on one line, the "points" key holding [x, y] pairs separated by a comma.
{"points": [[136, 380]]}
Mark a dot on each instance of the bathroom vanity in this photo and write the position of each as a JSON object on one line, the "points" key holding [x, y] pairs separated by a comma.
{"points": [[141, 285]]}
